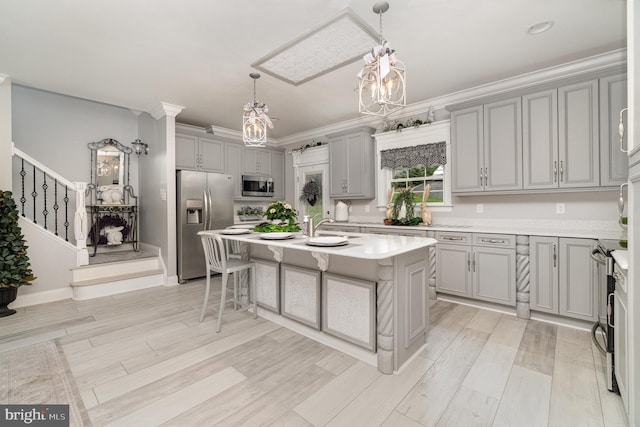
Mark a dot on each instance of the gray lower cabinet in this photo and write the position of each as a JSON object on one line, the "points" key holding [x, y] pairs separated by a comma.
{"points": [[479, 266], [394, 231], [199, 153], [563, 277], [300, 294], [621, 334], [614, 163], [267, 284]]}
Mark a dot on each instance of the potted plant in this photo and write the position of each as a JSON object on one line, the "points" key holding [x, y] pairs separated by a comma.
{"points": [[15, 269], [281, 216]]}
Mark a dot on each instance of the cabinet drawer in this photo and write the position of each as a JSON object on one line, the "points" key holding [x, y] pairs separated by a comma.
{"points": [[453, 237], [495, 240], [394, 231]]}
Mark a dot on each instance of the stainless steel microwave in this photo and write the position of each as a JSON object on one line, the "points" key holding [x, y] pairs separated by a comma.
{"points": [[257, 186]]}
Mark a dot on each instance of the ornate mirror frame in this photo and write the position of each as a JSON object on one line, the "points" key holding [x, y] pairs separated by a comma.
{"points": [[118, 191]]}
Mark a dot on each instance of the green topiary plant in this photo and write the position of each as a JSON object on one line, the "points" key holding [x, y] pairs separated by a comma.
{"points": [[15, 269]]}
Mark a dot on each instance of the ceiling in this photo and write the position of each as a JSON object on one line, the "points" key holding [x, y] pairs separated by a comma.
{"points": [[198, 53]]}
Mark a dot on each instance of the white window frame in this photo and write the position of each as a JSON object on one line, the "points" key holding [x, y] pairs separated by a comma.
{"points": [[410, 137]]}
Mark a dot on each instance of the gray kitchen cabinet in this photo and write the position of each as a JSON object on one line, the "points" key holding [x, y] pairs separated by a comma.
{"points": [[487, 147], [277, 172], [467, 149], [614, 167], [351, 165], [267, 284], [563, 277], [256, 161], [199, 153], [233, 166], [480, 266], [395, 231], [578, 137], [540, 139], [300, 294]]}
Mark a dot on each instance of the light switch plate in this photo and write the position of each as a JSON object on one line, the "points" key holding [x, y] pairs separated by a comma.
{"points": [[479, 208], [559, 208]]}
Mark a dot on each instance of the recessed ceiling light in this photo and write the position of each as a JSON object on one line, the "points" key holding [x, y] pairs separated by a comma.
{"points": [[540, 27]]}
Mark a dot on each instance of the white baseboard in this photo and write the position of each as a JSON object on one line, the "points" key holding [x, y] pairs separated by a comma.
{"points": [[172, 281], [42, 297]]}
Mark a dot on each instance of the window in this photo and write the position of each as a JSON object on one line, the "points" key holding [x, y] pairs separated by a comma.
{"points": [[412, 148]]}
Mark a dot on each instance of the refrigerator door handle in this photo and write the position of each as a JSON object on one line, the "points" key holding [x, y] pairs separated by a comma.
{"points": [[210, 209], [206, 210]]}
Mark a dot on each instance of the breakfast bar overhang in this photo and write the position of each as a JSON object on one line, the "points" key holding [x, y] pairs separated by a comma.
{"points": [[397, 267]]}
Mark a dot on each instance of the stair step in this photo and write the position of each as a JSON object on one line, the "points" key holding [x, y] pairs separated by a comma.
{"points": [[117, 277], [117, 284], [114, 269]]}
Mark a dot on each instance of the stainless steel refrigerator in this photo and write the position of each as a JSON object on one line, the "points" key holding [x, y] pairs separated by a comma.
{"points": [[204, 202]]}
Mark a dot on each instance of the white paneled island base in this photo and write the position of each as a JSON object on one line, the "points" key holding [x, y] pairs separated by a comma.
{"points": [[368, 298]]}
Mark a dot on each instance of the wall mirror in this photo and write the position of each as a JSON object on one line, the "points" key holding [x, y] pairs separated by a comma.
{"points": [[109, 183]]}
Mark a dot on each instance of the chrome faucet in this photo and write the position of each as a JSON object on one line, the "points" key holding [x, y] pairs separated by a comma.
{"points": [[312, 228]]}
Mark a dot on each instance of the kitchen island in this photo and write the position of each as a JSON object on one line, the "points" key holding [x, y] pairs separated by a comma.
{"points": [[368, 297]]}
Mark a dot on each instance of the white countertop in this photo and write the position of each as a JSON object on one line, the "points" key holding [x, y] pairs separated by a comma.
{"points": [[530, 229], [622, 258], [365, 246]]}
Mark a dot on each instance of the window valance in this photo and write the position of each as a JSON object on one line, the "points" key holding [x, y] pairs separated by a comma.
{"points": [[408, 157]]}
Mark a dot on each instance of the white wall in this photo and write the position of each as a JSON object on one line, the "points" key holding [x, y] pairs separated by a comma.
{"points": [[5, 133]]}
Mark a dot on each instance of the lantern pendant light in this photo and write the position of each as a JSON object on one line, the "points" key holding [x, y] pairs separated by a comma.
{"points": [[382, 80], [255, 120]]}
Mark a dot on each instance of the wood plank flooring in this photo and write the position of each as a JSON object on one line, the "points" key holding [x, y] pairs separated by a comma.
{"points": [[142, 358]]}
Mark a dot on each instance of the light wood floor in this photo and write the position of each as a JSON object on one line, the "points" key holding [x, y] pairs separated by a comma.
{"points": [[143, 359]]}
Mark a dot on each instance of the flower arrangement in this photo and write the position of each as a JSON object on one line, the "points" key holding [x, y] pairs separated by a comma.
{"points": [[283, 214], [250, 212], [402, 209]]}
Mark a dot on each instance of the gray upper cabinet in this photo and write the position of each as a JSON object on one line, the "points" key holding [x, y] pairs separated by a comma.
{"points": [[351, 165], [277, 172], [563, 277], [233, 166], [614, 168], [503, 145], [467, 147], [487, 147], [540, 139], [256, 161], [578, 137], [199, 153]]}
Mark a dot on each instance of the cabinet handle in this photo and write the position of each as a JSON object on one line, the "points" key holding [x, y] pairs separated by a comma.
{"points": [[561, 170], [468, 262], [617, 276], [474, 263], [486, 182], [452, 238], [481, 176], [492, 241], [555, 257], [555, 171], [621, 130]]}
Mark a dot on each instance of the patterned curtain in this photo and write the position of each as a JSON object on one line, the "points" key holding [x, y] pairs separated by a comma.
{"points": [[408, 157]]}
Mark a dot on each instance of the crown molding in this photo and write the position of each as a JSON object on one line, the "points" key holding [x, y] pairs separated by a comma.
{"points": [[3, 77], [165, 109]]}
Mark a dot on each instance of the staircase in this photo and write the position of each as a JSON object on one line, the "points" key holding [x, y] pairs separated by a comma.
{"points": [[115, 277]]}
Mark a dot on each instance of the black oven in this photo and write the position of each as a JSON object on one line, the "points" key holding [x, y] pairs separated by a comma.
{"points": [[602, 331], [257, 186]]}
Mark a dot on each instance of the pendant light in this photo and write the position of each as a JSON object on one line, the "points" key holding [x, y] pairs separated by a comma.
{"points": [[255, 120], [382, 80]]}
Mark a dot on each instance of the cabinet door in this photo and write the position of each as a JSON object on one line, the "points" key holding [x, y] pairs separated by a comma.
{"points": [[267, 284], [540, 139], [578, 137], [503, 145], [453, 269], [494, 275], [338, 167], [355, 164], [578, 279], [614, 168], [300, 294], [263, 161], [232, 166], [211, 155], [186, 152], [277, 172], [543, 253], [467, 150], [249, 161], [621, 340]]}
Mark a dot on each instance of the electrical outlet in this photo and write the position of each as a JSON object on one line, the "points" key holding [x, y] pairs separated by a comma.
{"points": [[366, 208], [479, 208], [559, 208]]}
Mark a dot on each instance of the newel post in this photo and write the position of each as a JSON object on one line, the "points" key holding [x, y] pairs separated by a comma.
{"points": [[80, 225]]}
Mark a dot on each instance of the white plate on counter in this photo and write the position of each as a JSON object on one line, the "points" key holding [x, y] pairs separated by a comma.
{"points": [[327, 241], [235, 231], [243, 226], [276, 236]]}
